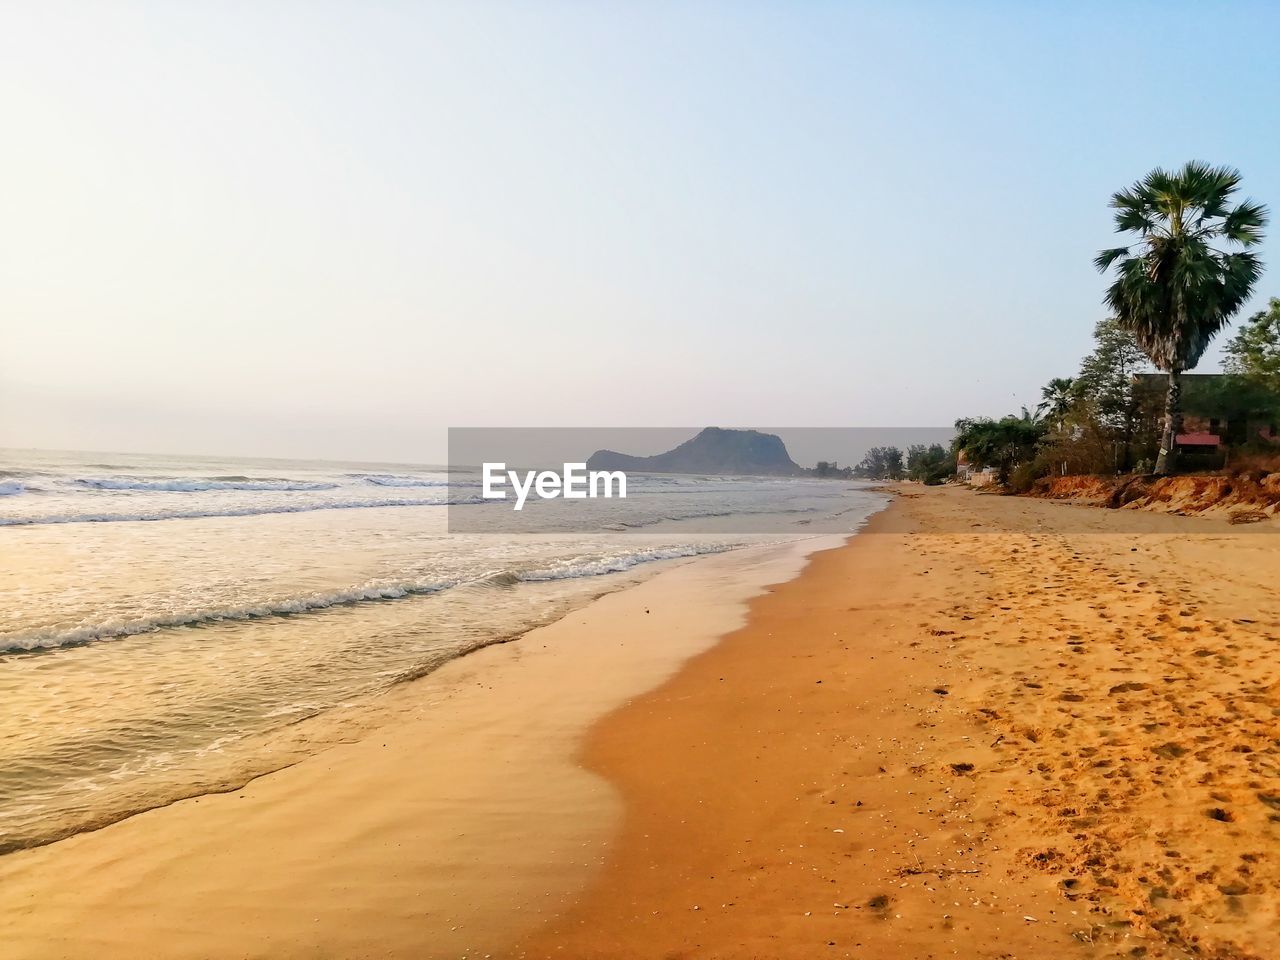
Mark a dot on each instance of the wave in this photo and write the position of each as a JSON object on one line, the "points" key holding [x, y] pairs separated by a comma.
{"points": [[572, 568], [579, 567], [112, 629], [709, 515], [147, 517], [392, 480], [198, 484], [9, 488]]}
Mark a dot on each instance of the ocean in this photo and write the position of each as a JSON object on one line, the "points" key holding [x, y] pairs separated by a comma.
{"points": [[175, 625]]}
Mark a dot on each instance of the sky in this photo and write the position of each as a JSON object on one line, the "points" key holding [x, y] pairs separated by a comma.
{"points": [[326, 229]]}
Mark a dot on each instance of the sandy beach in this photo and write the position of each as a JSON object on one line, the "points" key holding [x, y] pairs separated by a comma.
{"points": [[986, 727], [1036, 738]]}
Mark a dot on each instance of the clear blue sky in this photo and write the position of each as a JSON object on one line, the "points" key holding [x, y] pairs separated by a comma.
{"points": [[328, 229]]}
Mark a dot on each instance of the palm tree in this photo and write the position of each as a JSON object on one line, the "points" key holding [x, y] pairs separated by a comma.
{"points": [[1058, 398], [1174, 289]]}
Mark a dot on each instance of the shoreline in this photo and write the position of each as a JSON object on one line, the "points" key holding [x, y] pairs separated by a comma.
{"points": [[266, 752], [464, 793]]}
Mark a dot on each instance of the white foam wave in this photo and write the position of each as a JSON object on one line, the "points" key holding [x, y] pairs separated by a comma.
{"points": [[589, 566], [10, 488], [709, 515], [254, 511], [111, 629], [392, 480], [570, 568], [197, 484]]}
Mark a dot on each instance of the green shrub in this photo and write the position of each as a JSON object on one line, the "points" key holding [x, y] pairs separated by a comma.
{"points": [[1025, 474]]}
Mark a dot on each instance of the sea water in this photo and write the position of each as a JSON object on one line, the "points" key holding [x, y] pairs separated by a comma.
{"points": [[173, 625]]}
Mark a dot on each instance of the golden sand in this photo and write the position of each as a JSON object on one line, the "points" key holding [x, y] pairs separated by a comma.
{"points": [[1035, 739]]}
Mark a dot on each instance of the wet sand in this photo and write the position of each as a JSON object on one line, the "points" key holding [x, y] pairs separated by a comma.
{"points": [[992, 727]]}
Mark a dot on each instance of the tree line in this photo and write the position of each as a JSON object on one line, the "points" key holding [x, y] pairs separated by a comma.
{"points": [[928, 463]]}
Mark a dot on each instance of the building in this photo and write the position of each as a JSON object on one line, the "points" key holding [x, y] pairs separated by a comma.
{"points": [[1218, 412], [967, 473]]}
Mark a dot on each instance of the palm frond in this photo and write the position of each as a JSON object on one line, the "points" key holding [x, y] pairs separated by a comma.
{"points": [[1240, 272], [1134, 220], [1207, 186], [1106, 258], [1159, 185], [1243, 224], [1136, 197]]}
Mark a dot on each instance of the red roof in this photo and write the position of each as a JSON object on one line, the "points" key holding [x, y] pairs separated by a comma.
{"points": [[1199, 440]]}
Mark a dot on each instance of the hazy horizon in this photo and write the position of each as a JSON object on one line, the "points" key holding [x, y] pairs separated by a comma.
{"points": [[548, 447], [329, 231]]}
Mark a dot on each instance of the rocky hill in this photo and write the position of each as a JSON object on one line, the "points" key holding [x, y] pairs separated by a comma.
{"points": [[713, 451]]}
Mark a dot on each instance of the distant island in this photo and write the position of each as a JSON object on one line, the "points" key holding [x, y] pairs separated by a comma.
{"points": [[715, 451]]}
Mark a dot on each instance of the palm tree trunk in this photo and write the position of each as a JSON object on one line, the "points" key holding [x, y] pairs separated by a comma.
{"points": [[1167, 461], [1130, 431]]}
